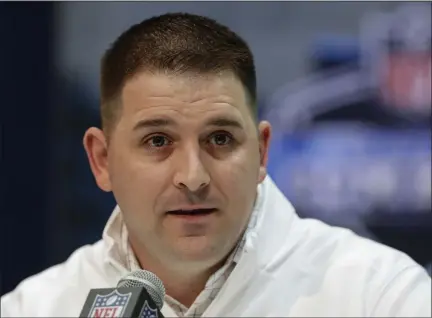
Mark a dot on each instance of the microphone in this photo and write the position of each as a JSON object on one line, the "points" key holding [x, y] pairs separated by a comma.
{"points": [[139, 294]]}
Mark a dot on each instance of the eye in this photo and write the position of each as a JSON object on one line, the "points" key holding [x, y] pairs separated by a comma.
{"points": [[221, 139], [157, 141]]}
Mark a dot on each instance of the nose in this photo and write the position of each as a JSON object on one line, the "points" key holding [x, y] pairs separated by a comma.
{"points": [[191, 173]]}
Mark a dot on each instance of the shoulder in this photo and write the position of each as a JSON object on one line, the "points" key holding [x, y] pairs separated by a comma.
{"points": [[39, 294], [389, 282], [332, 267], [347, 249]]}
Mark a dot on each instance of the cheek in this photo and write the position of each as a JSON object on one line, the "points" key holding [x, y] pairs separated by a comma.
{"points": [[136, 183], [130, 167], [246, 164], [136, 187], [237, 177]]}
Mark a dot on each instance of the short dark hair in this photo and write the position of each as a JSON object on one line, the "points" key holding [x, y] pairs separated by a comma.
{"points": [[177, 43]]}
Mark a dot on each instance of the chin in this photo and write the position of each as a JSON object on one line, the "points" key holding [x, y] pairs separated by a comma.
{"points": [[197, 249]]}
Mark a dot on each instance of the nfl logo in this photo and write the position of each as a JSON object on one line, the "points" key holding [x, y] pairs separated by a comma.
{"points": [[148, 312], [111, 305], [407, 81], [397, 50]]}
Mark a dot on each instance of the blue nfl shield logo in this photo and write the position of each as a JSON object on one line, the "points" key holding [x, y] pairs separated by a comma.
{"points": [[111, 305], [148, 312]]}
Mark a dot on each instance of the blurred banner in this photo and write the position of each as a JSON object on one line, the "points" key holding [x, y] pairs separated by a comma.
{"points": [[352, 141]]}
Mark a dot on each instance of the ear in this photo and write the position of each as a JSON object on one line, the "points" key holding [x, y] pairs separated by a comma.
{"points": [[264, 131], [97, 153]]}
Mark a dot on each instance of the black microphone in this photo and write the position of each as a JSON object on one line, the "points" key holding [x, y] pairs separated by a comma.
{"points": [[139, 294]]}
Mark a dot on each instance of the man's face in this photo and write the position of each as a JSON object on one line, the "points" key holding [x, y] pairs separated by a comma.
{"points": [[183, 162]]}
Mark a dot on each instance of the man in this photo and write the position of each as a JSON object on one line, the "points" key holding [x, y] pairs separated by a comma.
{"points": [[186, 161]]}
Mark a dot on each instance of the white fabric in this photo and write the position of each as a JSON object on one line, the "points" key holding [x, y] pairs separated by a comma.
{"points": [[290, 268]]}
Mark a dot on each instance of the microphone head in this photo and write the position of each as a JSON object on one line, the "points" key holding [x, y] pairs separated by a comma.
{"points": [[149, 281]]}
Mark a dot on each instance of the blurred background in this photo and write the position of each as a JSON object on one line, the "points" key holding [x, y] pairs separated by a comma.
{"points": [[346, 85]]}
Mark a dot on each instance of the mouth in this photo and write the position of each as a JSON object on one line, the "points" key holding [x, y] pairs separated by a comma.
{"points": [[192, 212]]}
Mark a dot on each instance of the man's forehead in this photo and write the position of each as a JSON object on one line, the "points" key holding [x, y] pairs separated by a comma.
{"points": [[158, 92], [147, 84]]}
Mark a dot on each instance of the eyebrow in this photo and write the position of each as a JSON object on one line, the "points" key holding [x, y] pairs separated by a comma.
{"points": [[224, 122], [157, 122], [163, 122]]}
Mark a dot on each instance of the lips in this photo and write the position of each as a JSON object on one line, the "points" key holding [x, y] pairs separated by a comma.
{"points": [[192, 212]]}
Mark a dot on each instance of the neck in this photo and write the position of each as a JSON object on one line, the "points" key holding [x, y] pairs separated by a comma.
{"points": [[182, 282], [186, 286]]}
